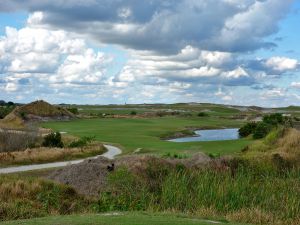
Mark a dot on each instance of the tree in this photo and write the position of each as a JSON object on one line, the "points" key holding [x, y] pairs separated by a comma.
{"points": [[247, 129]]}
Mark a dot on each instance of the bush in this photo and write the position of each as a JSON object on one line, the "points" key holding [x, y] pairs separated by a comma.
{"points": [[261, 130], [83, 141], [133, 113], [202, 114], [247, 129], [274, 119], [53, 140], [73, 110]]}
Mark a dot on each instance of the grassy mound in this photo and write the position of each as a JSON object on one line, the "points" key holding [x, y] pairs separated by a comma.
{"points": [[35, 111], [280, 148], [43, 109]]}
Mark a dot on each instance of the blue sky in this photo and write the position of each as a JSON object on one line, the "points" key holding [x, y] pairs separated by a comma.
{"points": [[102, 52]]}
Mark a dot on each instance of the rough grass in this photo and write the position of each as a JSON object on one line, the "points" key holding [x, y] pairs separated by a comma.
{"points": [[281, 146], [252, 196], [44, 154], [28, 198], [132, 134], [243, 193]]}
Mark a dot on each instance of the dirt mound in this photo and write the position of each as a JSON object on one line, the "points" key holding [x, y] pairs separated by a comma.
{"points": [[35, 111], [89, 177]]}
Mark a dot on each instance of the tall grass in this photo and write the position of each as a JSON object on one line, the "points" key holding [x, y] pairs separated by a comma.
{"points": [[29, 198], [273, 197]]}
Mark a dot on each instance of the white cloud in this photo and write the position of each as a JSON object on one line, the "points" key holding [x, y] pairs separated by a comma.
{"points": [[282, 64], [80, 68], [274, 93], [11, 87], [56, 54], [295, 85]]}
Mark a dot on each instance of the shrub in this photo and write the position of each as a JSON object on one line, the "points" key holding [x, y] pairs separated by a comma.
{"points": [[73, 110], [202, 114], [53, 140], [261, 130], [83, 141], [133, 113], [273, 119], [247, 129]]}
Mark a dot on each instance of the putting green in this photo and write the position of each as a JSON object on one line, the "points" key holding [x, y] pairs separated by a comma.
{"points": [[117, 219]]}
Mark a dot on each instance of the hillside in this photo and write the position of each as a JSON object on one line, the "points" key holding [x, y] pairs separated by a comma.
{"points": [[35, 111]]}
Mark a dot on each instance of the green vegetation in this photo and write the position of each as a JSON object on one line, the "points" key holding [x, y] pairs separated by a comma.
{"points": [[73, 110], [83, 141], [146, 133], [202, 114], [5, 110], [244, 193], [133, 113], [132, 218], [247, 129], [25, 197], [53, 140], [261, 129]]}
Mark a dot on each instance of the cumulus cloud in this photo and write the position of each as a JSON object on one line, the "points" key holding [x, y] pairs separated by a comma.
{"points": [[282, 64], [35, 57], [183, 50], [163, 26]]}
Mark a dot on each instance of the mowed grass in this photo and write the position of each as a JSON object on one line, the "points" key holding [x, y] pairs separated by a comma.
{"points": [[131, 134], [118, 219]]}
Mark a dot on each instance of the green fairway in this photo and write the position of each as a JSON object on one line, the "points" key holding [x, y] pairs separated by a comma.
{"points": [[118, 219], [132, 134]]}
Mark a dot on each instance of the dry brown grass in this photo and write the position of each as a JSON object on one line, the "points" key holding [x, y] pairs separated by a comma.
{"points": [[43, 154], [290, 143], [15, 140]]}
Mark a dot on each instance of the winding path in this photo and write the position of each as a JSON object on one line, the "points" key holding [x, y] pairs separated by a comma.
{"points": [[112, 151]]}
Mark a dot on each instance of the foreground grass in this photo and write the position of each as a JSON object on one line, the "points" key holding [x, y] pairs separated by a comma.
{"points": [[132, 134], [119, 219], [249, 195], [28, 197]]}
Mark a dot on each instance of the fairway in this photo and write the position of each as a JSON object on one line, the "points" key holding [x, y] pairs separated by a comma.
{"points": [[118, 219], [131, 134]]}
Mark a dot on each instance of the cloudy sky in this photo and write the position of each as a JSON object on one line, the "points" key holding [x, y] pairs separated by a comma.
{"points": [[243, 52]]}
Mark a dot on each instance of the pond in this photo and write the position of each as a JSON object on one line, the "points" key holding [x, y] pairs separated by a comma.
{"points": [[211, 135]]}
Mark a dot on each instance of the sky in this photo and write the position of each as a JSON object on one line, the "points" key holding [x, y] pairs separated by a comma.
{"points": [[237, 52]]}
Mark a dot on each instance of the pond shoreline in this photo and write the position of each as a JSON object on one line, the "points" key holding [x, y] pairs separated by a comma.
{"points": [[189, 132]]}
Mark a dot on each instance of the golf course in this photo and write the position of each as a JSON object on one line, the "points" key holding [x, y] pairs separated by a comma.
{"points": [[147, 134]]}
